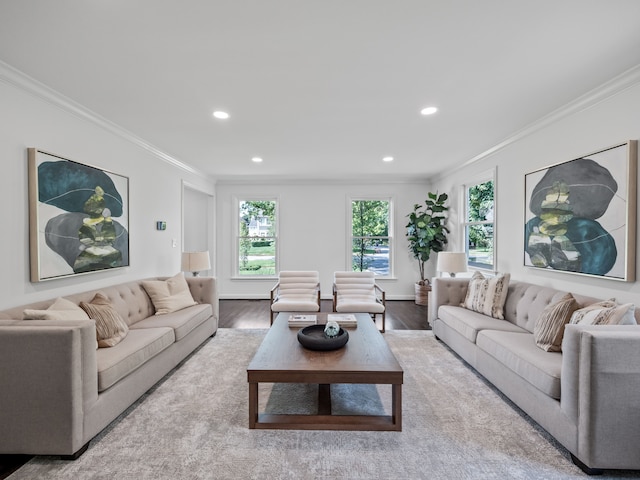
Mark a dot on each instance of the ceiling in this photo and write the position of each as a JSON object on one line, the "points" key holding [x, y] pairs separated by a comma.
{"points": [[321, 89]]}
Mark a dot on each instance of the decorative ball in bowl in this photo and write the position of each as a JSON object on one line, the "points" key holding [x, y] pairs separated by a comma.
{"points": [[313, 337]]}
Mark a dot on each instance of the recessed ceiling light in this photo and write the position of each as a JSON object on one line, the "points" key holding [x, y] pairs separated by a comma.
{"points": [[256, 160], [428, 110], [221, 115], [387, 159]]}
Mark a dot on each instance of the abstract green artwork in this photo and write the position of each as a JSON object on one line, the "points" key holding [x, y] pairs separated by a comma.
{"points": [[580, 214], [79, 220]]}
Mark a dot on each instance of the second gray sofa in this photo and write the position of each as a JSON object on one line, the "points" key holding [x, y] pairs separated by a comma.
{"points": [[59, 390], [586, 396]]}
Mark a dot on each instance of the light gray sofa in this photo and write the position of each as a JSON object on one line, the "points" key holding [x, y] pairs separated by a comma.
{"points": [[587, 396], [59, 390]]}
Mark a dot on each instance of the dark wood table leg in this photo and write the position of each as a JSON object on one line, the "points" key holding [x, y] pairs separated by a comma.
{"points": [[253, 404], [396, 405], [324, 399]]}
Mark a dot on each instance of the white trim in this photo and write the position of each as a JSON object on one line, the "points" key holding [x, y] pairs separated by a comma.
{"points": [[235, 272], [483, 177], [211, 212], [615, 86], [390, 230], [16, 78]]}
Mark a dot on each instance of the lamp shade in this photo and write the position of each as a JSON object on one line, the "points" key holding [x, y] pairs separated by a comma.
{"points": [[195, 262], [452, 262]]}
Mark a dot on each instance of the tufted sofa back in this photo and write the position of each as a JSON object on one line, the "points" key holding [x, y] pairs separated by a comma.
{"points": [[525, 301], [129, 299]]}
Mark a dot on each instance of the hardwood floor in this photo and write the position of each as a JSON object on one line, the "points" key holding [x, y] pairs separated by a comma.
{"points": [[401, 314]]}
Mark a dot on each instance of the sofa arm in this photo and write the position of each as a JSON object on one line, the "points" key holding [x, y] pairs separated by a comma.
{"points": [[600, 385], [48, 379], [447, 291], [205, 290]]}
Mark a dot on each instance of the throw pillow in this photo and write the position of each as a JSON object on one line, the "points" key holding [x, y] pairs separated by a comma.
{"points": [[549, 328], [487, 295], [110, 326], [61, 309], [607, 312], [169, 295]]}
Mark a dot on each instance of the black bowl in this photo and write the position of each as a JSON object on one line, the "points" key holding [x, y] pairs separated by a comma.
{"points": [[313, 338]]}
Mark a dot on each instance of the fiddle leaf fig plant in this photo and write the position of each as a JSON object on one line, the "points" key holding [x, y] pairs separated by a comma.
{"points": [[426, 230]]}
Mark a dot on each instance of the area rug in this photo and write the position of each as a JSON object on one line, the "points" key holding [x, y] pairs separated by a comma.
{"points": [[194, 425]]}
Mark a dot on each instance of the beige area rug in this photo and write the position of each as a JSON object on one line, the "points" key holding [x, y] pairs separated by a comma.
{"points": [[194, 425]]}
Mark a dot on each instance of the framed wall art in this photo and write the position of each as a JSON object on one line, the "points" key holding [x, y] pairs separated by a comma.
{"points": [[580, 215], [78, 217]]}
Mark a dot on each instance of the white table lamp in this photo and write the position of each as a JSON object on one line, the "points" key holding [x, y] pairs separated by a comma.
{"points": [[195, 262], [452, 262]]}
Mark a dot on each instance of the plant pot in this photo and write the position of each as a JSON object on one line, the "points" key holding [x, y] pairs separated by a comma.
{"points": [[422, 294]]}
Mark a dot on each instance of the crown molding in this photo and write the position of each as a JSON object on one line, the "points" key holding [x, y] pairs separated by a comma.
{"points": [[615, 86], [24, 82]]}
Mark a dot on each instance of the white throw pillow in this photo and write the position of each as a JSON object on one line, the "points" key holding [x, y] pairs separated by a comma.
{"points": [[169, 295], [61, 309], [607, 312], [487, 295]]}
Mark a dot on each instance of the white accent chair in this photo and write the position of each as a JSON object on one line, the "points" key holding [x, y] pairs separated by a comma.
{"points": [[357, 292], [296, 291]]}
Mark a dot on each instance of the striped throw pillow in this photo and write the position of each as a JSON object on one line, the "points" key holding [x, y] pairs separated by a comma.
{"points": [[487, 295], [549, 328], [110, 326]]}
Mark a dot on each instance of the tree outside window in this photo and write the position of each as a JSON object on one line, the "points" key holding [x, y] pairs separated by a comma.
{"points": [[370, 239], [479, 227], [257, 240]]}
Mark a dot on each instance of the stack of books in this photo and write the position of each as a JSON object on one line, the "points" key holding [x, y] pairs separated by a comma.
{"points": [[345, 320], [299, 321]]}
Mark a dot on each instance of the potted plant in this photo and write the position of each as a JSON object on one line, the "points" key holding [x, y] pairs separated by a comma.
{"points": [[426, 232]]}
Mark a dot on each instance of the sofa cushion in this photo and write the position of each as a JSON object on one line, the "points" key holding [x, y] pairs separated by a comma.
{"points": [[169, 295], [139, 346], [182, 321], [468, 323], [61, 309], [487, 295], [549, 328], [296, 302], [607, 312], [519, 353], [110, 326]]}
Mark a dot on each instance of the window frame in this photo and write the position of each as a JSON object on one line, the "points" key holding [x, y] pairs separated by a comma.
{"points": [[465, 223], [390, 229], [235, 268]]}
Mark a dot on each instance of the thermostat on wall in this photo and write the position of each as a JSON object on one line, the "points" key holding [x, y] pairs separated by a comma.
{"points": [[161, 225]]}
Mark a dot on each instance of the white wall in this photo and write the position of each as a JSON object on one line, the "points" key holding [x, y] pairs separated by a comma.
{"points": [[155, 192], [607, 123], [313, 232]]}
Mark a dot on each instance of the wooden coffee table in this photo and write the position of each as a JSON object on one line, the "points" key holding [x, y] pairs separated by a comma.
{"points": [[366, 358]]}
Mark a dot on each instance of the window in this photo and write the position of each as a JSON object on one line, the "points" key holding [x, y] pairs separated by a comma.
{"points": [[478, 225], [257, 239], [370, 243]]}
